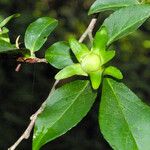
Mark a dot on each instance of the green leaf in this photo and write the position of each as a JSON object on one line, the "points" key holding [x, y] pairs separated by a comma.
{"points": [[38, 31], [4, 30], [103, 5], [79, 49], [5, 21], [5, 46], [100, 40], [1, 18], [106, 56], [70, 71], [96, 78], [114, 72], [124, 119], [122, 22], [58, 55], [64, 109], [4, 35]]}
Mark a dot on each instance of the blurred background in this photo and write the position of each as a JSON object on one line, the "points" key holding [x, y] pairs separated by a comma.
{"points": [[22, 93]]}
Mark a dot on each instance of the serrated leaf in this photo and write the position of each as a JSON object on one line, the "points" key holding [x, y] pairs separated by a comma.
{"points": [[103, 5], [58, 55], [70, 71], [79, 49], [122, 22], [124, 118], [5, 21], [64, 109], [114, 72], [5, 46], [38, 31]]}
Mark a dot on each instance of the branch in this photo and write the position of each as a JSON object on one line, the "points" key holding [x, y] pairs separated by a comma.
{"points": [[29, 60], [32, 60], [33, 118], [89, 31]]}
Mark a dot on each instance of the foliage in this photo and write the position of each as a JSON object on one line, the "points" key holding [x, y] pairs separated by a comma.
{"points": [[102, 5], [67, 106], [37, 33], [70, 103], [127, 126]]}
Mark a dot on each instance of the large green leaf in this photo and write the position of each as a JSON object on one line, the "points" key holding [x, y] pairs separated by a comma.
{"points": [[102, 5], [38, 31], [64, 109], [125, 21], [124, 119], [5, 46], [5, 21], [58, 55]]}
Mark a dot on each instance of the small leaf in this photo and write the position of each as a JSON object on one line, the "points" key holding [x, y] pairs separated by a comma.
{"points": [[5, 21], [96, 78], [5, 46], [114, 72], [124, 118], [58, 55], [69, 71], [4, 30], [100, 40], [106, 56], [4, 35], [64, 109], [79, 49], [103, 5], [38, 31], [122, 22]]}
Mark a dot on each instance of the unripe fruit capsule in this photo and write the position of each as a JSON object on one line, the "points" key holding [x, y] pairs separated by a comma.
{"points": [[90, 63]]}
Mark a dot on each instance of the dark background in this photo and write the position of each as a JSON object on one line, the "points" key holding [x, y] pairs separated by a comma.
{"points": [[22, 93]]}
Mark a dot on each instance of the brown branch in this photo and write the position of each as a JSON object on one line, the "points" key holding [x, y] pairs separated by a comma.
{"points": [[33, 118], [29, 60], [32, 60]]}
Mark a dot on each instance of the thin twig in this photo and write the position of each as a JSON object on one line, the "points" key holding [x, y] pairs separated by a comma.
{"points": [[88, 31], [33, 118], [32, 60], [29, 60]]}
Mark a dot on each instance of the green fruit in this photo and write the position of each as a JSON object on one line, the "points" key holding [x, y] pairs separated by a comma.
{"points": [[90, 63]]}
